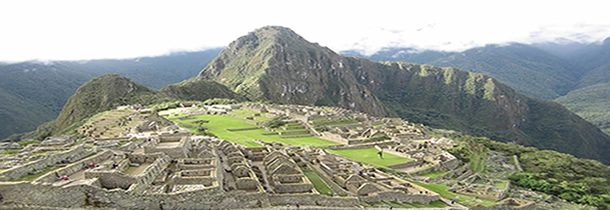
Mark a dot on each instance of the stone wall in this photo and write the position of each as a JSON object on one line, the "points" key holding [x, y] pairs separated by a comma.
{"points": [[401, 197], [78, 196], [312, 200], [149, 174], [111, 179], [293, 187], [75, 167], [69, 156], [43, 194]]}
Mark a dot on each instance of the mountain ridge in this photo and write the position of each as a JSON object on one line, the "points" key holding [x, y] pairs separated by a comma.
{"points": [[289, 69], [44, 87], [276, 64]]}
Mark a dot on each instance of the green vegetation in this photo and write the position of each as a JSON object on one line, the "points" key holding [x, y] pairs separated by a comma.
{"points": [[472, 152], [220, 101], [570, 178], [239, 130], [98, 95], [574, 179], [469, 104], [530, 70], [335, 122], [318, 183], [27, 142], [39, 173], [591, 103], [502, 184], [467, 200], [369, 156], [10, 151], [200, 90], [275, 122]]}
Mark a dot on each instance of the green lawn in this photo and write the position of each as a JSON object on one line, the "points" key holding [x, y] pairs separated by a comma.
{"points": [[477, 162], [318, 183], [467, 200], [369, 156], [218, 125]]}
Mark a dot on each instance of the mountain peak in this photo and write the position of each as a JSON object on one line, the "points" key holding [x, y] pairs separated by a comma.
{"points": [[274, 30], [101, 94], [274, 63], [267, 37]]}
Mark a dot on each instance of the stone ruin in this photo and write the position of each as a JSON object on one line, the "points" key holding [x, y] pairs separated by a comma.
{"points": [[159, 167]]}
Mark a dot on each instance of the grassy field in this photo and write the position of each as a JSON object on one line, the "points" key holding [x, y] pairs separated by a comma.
{"points": [[443, 191], [318, 183], [221, 125], [369, 156]]}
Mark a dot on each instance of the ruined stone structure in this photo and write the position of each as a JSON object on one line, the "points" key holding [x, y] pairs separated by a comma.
{"points": [[131, 159]]}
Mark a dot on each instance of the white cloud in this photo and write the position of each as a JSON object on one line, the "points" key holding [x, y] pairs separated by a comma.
{"points": [[76, 29]]}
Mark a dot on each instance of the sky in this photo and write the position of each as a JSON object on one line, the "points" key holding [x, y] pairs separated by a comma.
{"points": [[77, 29]]}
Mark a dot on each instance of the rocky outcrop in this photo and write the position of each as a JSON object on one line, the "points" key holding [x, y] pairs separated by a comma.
{"points": [[276, 64]]}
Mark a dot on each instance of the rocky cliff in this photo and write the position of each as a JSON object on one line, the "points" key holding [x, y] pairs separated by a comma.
{"points": [[276, 64]]}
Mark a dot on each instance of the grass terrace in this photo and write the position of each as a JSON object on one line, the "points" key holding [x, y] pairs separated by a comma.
{"points": [[333, 122], [10, 151], [318, 183], [234, 127], [467, 200], [435, 174], [32, 177], [369, 156]]}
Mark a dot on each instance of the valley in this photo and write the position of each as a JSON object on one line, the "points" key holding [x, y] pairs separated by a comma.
{"points": [[276, 121]]}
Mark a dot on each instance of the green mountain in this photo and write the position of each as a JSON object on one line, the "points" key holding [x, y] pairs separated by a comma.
{"points": [[110, 91], [562, 70], [101, 94], [478, 104], [591, 103], [276, 64], [589, 99], [527, 69], [32, 93], [198, 90], [15, 107]]}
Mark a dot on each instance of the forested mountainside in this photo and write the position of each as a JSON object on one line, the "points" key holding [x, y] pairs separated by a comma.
{"points": [[574, 74], [35, 92]]}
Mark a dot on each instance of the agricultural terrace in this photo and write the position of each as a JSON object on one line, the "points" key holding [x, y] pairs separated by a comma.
{"points": [[467, 200], [370, 156], [245, 126]]}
